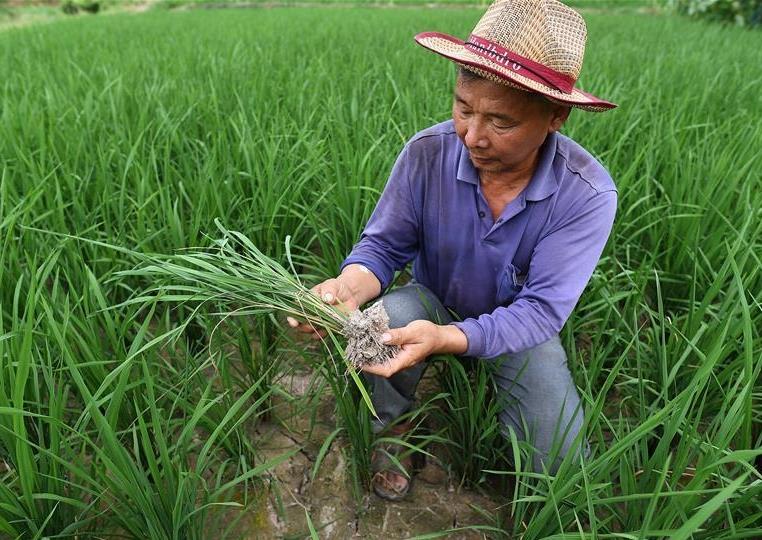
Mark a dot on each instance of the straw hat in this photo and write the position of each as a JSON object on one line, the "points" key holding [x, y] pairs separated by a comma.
{"points": [[534, 45]]}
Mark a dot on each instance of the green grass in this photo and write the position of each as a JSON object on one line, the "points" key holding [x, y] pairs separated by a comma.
{"points": [[237, 3], [286, 122]]}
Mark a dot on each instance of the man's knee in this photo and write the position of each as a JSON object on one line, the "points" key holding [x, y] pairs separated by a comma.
{"points": [[411, 303], [536, 375], [542, 403], [547, 451]]}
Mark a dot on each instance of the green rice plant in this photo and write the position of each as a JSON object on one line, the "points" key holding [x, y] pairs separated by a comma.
{"points": [[121, 452], [467, 410], [38, 448], [595, 4], [255, 357], [353, 416], [154, 475], [241, 279], [654, 471], [236, 272], [238, 276], [354, 422]]}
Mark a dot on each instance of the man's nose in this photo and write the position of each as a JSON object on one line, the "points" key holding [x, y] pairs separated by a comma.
{"points": [[475, 135]]}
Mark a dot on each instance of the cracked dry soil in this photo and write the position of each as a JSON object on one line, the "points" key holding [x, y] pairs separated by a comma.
{"points": [[433, 504]]}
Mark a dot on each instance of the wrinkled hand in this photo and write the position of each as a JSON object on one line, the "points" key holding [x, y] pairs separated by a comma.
{"points": [[331, 291], [417, 340]]}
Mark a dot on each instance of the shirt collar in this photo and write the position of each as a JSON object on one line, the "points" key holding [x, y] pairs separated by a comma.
{"points": [[466, 170], [543, 183]]}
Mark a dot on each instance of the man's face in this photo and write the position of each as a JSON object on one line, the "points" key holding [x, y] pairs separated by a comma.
{"points": [[502, 127]]}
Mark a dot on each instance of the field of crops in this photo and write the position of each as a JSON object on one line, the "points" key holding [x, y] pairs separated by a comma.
{"points": [[130, 135]]}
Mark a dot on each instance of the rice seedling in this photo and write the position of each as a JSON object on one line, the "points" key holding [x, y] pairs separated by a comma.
{"points": [[37, 446], [468, 412], [256, 357], [240, 277], [76, 448]]}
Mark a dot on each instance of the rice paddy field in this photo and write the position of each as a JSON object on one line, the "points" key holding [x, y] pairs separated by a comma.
{"points": [[126, 415]]}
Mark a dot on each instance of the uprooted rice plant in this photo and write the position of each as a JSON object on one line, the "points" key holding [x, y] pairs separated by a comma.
{"points": [[111, 425], [236, 274]]}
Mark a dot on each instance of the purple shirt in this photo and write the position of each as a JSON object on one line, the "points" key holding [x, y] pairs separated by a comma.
{"points": [[514, 280]]}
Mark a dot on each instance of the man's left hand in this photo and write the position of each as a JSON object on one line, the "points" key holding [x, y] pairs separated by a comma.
{"points": [[419, 340]]}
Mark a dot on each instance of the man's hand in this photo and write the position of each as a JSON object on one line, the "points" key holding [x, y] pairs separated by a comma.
{"points": [[355, 286], [419, 340], [334, 292]]}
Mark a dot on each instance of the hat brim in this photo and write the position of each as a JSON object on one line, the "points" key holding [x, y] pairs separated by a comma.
{"points": [[453, 49]]}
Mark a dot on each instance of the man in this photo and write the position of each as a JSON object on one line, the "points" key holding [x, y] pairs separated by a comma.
{"points": [[505, 220]]}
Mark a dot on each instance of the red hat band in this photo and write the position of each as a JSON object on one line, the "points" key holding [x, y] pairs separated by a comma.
{"points": [[528, 68]]}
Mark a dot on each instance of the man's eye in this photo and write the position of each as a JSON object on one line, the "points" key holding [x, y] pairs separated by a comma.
{"points": [[500, 126]]}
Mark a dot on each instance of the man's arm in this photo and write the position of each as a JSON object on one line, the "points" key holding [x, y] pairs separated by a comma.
{"points": [[560, 268]]}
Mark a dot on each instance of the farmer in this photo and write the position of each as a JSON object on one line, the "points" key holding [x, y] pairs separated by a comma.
{"points": [[504, 219]]}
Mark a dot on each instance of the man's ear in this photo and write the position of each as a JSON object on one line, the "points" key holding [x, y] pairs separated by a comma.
{"points": [[559, 115]]}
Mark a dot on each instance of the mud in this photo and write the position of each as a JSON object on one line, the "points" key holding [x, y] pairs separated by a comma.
{"points": [[363, 331], [299, 492]]}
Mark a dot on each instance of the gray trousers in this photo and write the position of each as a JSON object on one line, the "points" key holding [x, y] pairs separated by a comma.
{"points": [[535, 385]]}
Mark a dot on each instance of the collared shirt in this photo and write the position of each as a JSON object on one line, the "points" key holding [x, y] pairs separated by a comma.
{"points": [[515, 280]]}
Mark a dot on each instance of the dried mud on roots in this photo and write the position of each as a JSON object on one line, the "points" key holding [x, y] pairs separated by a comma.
{"points": [[363, 331]]}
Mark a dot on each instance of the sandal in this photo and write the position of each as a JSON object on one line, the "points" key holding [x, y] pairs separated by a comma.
{"points": [[385, 470]]}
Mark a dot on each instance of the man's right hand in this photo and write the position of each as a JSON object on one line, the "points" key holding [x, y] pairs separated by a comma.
{"points": [[334, 292], [355, 286]]}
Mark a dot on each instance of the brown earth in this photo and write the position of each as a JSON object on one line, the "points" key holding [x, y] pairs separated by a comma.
{"points": [[434, 503]]}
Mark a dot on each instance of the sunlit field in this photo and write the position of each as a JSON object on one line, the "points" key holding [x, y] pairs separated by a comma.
{"points": [[127, 136]]}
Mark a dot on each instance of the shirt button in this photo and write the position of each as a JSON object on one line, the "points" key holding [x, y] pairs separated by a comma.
{"points": [[482, 214]]}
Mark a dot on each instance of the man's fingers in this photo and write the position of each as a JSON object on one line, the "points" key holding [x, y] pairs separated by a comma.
{"points": [[306, 328], [324, 291], [300, 326], [395, 336], [332, 291], [319, 334], [329, 291], [293, 323], [389, 337], [385, 370], [404, 359]]}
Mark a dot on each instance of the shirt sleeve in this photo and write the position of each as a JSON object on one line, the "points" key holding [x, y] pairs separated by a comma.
{"points": [[560, 268], [390, 238]]}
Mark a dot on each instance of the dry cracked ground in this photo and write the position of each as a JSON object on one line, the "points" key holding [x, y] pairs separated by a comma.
{"points": [[434, 504]]}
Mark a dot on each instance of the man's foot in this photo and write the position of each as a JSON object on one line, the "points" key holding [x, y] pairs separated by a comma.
{"points": [[390, 481], [390, 485]]}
